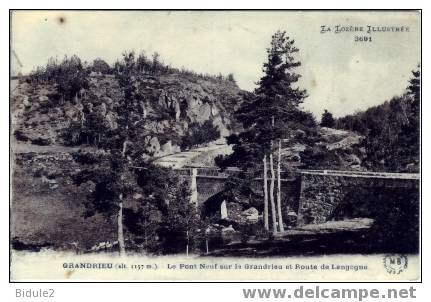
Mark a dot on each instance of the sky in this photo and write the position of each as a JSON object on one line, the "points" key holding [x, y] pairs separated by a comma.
{"points": [[340, 75]]}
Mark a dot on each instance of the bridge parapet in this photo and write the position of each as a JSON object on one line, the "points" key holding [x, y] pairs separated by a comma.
{"points": [[322, 191], [206, 182], [364, 174], [207, 171], [319, 191]]}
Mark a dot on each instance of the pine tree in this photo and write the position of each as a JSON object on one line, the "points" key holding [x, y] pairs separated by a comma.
{"points": [[128, 117], [113, 183], [115, 178], [414, 89], [270, 114], [327, 119], [279, 101]]}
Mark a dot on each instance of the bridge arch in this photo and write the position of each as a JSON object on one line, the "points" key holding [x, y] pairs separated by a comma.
{"points": [[322, 191], [316, 195]]}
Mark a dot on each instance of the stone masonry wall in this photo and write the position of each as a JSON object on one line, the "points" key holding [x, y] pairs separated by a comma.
{"points": [[320, 194]]}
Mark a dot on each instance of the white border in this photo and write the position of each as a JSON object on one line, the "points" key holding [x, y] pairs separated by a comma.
{"points": [[192, 292]]}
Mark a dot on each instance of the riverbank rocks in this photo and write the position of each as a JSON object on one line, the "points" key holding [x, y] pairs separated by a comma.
{"points": [[251, 214]]}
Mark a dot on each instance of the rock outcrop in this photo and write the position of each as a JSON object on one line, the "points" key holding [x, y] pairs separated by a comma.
{"points": [[334, 149], [170, 103]]}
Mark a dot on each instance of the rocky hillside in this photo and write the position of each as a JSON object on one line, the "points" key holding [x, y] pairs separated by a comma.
{"points": [[171, 105], [47, 206], [334, 150], [44, 140]]}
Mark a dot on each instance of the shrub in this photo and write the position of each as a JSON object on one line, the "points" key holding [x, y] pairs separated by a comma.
{"points": [[200, 134], [68, 74], [249, 230], [72, 135], [101, 66], [87, 158], [327, 119], [20, 136], [263, 234], [41, 141]]}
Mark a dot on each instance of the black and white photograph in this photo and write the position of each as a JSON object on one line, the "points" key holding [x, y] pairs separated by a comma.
{"points": [[215, 145]]}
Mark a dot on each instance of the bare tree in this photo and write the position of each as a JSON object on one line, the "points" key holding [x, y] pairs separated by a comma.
{"points": [[120, 234], [271, 193], [280, 215], [265, 194]]}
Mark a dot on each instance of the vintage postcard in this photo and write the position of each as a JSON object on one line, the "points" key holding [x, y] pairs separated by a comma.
{"points": [[215, 145]]}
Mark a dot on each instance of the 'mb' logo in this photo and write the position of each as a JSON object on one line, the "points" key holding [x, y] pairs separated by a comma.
{"points": [[395, 264]]}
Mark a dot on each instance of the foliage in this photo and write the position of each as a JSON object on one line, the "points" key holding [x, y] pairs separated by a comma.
{"points": [[271, 115], [249, 230], [263, 234], [154, 65], [122, 178], [41, 141], [157, 209], [69, 75], [392, 131], [199, 134], [183, 225], [231, 78], [71, 135], [155, 203], [130, 108], [115, 174], [327, 119], [157, 182], [396, 225], [88, 158], [272, 112], [144, 225], [101, 66], [414, 90], [111, 178], [95, 127], [20, 135], [318, 157]]}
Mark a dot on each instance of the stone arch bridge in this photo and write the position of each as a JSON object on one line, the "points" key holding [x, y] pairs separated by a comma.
{"points": [[317, 192]]}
